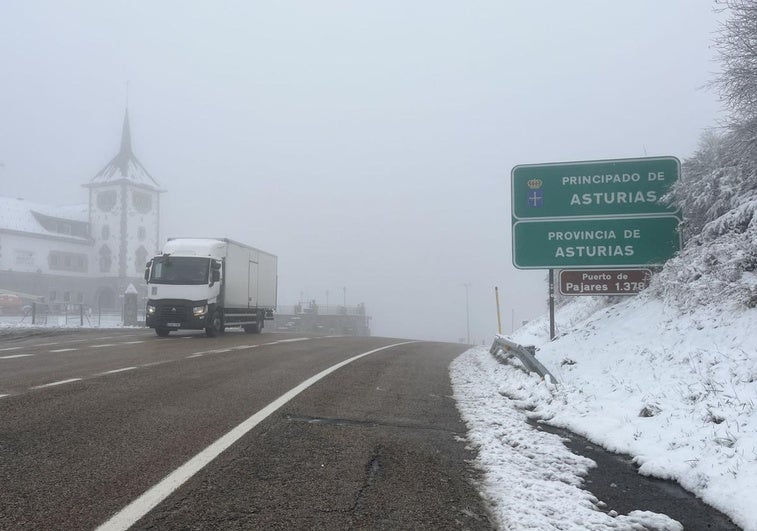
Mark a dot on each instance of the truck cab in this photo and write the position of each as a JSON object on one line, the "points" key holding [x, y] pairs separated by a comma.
{"points": [[183, 293]]}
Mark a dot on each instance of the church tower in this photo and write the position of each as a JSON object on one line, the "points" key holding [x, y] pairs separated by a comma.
{"points": [[124, 219]]}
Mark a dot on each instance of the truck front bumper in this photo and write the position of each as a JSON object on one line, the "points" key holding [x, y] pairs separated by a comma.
{"points": [[175, 315]]}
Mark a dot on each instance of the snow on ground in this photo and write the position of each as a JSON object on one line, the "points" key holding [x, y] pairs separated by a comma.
{"points": [[675, 390]]}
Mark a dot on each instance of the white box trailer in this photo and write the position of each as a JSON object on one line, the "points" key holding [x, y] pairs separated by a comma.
{"points": [[210, 284]]}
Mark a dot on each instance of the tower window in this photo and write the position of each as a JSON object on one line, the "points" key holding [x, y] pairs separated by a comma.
{"points": [[106, 259], [142, 202], [106, 200]]}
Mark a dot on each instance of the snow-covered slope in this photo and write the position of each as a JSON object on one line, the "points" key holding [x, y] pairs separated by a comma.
{"points": [[675, 389]]}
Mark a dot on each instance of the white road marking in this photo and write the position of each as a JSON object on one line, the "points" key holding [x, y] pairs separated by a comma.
{"points": [[129, 515], [64, 350], [53, 384], [15, 356], [293, 340], [9, 348], [114, 371], [3, 396], [130, 342], [156, 363], [215, 351], [103, 345]]}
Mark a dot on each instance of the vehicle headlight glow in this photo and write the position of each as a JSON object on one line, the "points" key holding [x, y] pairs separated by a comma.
{"points": [[200, 310], [150, 309]]}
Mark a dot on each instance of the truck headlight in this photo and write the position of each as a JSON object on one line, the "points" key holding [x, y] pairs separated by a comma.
{"points": [[200, 310], [150, 309]]}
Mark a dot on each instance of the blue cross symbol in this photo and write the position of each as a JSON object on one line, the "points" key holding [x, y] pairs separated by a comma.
{"points": [[536, 199]]}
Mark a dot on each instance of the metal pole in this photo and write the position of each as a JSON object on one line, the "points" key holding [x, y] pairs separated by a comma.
{"points": [[551, 304], [467, 315], [499, 320]]}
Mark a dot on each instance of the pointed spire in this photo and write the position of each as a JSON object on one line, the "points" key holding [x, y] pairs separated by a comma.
{"points": [[126, 135]]}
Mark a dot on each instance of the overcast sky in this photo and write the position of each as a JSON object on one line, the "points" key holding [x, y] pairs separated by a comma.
{"points": [[367, 144]]}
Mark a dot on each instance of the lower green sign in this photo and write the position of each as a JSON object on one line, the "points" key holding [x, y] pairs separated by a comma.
{"points": [[601, 242]]}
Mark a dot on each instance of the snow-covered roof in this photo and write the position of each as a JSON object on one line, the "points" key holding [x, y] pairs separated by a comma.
{"points": [[19, 215], [125, 166]]}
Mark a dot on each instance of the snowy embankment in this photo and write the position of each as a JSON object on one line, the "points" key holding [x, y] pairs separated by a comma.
{"points": [[675, 390]]}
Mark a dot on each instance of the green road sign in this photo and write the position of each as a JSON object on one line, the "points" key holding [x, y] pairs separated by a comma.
{"points": [[606, 242], [622, 187]]}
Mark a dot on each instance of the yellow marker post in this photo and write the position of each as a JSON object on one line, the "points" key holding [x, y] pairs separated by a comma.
{"points": [[499, 319]]}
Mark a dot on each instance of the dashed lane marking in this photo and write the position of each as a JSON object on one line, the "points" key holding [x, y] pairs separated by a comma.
{"points": [[293, 340], [53, 384], [64, 350], [6, 349], [129, 515], [115, 371], [103, 345], [15, 356]]}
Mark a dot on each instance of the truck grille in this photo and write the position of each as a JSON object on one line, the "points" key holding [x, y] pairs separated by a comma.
{"points": [[173, 313]]}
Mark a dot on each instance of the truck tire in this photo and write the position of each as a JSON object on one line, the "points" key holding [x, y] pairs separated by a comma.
{"points": [[215, 326], [255, 328], [162, 332], [251, 328]]}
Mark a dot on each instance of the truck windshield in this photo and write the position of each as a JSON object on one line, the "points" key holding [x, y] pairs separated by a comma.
{"points": [[179, 270]]}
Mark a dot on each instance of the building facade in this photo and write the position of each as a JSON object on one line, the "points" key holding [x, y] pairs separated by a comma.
{"points": [[85, 254]]}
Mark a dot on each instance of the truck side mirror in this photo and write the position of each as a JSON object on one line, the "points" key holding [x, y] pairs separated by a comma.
{"points": [[147, 270], [215, 275]]}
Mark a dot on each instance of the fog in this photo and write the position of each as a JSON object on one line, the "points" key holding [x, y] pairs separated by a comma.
{"points": [[367, 144]]}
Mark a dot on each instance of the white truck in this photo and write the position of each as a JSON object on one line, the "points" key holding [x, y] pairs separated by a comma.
{"points": [[210, 284]]}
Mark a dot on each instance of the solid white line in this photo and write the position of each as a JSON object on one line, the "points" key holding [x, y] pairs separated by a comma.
{"points": [[12, 356], [129, 515], [56, 383], [64, 350], [114, 371]]}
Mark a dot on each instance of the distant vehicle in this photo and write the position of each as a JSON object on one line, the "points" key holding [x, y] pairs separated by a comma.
{"points": [[10, 304], [210, 284]]}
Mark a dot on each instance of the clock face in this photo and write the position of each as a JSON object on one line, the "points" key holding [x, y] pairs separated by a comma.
{"points": [[106, 200], [142, 202]]}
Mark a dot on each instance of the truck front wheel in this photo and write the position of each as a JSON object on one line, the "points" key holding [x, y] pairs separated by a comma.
{"points": [[162, 332], [215, 327]]}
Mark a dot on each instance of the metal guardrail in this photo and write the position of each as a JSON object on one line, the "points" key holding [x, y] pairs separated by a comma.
{"points": [[526, 355]]}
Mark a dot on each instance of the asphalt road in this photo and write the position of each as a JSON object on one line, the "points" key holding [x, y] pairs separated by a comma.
{"points": [[90, 422]]}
